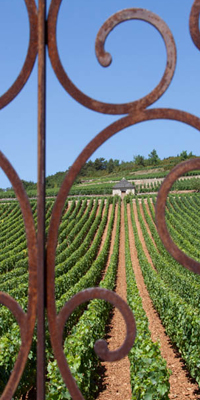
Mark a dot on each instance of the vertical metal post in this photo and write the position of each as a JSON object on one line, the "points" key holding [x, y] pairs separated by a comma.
{"points": [[41, 201]]}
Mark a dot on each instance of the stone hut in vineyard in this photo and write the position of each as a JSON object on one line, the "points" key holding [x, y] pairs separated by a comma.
{"points": [[123, 187]]}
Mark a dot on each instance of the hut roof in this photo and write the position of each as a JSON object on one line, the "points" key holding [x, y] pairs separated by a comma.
{"points": [[123, 184]]}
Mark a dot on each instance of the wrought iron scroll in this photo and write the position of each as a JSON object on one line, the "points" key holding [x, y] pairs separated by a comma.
{"points": [[41, 264], [180, 169], [26, 321]]}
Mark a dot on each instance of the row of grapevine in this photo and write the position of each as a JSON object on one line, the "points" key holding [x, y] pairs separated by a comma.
{"points": [[78, 346], [10, 333], [14, 279], [146, 361], [80, 263], [148, 372], [173, 300]]}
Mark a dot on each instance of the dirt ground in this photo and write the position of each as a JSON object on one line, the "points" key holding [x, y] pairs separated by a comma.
{"points": [[115, 376], [117, 380]]}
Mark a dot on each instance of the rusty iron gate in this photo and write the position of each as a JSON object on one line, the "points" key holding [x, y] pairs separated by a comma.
{"points": [[41, 293]]}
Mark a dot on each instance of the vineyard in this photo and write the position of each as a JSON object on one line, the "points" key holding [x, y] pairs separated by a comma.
{"points": [[144, 183], [113, 244]]}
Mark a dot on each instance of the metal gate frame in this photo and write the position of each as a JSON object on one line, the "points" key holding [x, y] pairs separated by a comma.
{"points": [[41, 293]]}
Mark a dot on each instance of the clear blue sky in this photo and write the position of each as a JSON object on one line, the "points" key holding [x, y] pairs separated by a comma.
{"points": [[139, 59]]}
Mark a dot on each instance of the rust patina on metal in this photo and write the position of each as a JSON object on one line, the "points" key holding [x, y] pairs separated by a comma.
{"points": [[41, 262], [57, 324], [26, 321], [179, 170], [171, 247], [41, 267], [26, 70], [105, 59]]}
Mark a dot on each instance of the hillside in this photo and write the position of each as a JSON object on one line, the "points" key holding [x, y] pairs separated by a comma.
{"points": [[99, 176], [114, 245]]}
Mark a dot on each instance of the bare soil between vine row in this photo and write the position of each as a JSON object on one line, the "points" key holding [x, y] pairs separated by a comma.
{"points": [[115, 375], [116, 382]]}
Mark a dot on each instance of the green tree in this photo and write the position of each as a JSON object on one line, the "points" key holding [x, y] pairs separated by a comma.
{"points": [[116, 163], [139, 160], [110, 165], [184, 155], [100, 164], [29, 185], [153, 157]]}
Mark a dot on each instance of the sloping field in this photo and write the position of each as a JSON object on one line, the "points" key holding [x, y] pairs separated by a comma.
{"points": [[115, 245]]}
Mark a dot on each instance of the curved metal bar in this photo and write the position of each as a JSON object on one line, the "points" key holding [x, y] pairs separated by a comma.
{"points": [[101, 347], [194, 23], [26, 321], [137, 114], [147, 115], [93, 145], [25, 72], [171, 247], [15, 308], [105, 59]]}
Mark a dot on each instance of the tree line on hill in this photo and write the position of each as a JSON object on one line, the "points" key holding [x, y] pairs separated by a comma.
{"points": [[102, 167], [91, 168]]}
